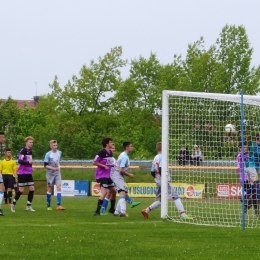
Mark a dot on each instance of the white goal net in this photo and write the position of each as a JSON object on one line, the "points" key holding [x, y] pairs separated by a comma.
{"points": [[201, 134]]}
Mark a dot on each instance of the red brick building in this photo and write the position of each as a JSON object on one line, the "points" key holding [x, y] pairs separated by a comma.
{"points": [[30, 103]]}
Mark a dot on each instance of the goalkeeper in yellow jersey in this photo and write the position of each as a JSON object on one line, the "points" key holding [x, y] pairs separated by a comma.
{"points": [[8, 170], [2, 187]]}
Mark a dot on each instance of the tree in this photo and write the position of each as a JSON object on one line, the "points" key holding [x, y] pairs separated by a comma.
{"points": [[126, 97], [144, 74], [9, 114], [87, 92], [234, 54]]}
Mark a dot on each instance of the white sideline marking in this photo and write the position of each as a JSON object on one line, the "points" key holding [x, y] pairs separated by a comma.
{"points": [[36, 225], [81, 223], [115, 223]]}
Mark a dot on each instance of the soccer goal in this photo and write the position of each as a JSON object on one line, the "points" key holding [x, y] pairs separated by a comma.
{"points": [[200, 138]]}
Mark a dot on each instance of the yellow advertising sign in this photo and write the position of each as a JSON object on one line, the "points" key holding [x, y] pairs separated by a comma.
{"points": [[148, 190], [190, 191]]}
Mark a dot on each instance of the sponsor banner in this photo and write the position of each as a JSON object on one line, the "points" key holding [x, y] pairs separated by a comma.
{"points": [[229, 190], [148, 190], [73, 188], [134, 189], [190, 191]]}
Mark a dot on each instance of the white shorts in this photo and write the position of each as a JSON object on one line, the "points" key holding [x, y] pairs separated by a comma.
{"points": [[53, 178], [251, 173], [171, 191], [119, 182]]}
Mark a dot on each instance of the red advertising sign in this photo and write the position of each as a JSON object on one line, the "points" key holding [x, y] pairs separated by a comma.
{"points": [[229, 190]]}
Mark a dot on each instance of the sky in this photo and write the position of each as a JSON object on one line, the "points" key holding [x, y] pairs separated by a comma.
{"points": [[41, 39]]}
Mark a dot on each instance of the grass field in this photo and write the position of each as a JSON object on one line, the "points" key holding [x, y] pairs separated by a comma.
{"points": [[76, 234], [193, 177], [89, 175]]}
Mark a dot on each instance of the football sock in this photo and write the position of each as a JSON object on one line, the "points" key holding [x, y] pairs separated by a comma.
{"points": [[122, 204], [99, 205], [153, 206], [5, 197], [17, 196], [58, 198], [179, 205], [129, 200], [48, 198], [1, 198], [113, 203], [104, 205], [9, 194], [30, 197], [249, 204], [118, 209]]}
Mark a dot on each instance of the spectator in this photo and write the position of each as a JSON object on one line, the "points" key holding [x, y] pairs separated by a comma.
{"points": [[196, 156], [184, 156]]}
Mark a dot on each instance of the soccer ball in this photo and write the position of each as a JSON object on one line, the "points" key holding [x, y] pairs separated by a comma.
{"points": [[229, 128]]}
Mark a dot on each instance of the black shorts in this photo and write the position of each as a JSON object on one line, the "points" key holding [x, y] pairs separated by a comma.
{"points": [[25, 180], [8, 181], [106, 182]]}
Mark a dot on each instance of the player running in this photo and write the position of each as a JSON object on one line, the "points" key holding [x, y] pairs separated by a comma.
{"points": [[156, 173]]}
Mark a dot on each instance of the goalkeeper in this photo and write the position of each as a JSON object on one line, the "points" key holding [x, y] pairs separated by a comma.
{"points": [[247, 171], [156, 173], [253, 193]]}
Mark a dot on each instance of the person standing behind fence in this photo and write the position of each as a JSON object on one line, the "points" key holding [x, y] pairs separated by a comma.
{"points": [[196, 156], [53, 175], [24, 173], [184, 156]]}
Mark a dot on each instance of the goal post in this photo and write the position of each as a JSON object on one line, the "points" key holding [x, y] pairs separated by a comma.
{"points": [[165, 134], [209, 186]]}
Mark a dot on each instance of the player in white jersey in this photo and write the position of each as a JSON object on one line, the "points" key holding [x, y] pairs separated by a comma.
{"points": [[53, 175], [118, 174], [156, 173], [107, 198]]}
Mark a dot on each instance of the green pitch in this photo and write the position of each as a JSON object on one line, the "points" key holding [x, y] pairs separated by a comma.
{"points": [[76, 234]]}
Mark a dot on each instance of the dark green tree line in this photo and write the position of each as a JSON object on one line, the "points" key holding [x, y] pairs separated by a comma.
{"points": [[98, 102]]}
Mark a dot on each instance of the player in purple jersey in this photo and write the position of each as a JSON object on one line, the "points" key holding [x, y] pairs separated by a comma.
{"points": [[24, 173], [104, 161]]}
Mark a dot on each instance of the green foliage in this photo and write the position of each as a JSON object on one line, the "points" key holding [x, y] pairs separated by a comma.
{"points": [[99, 103]]}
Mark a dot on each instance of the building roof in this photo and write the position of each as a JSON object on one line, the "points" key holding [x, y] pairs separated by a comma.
{"points": [[30, 103]]}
